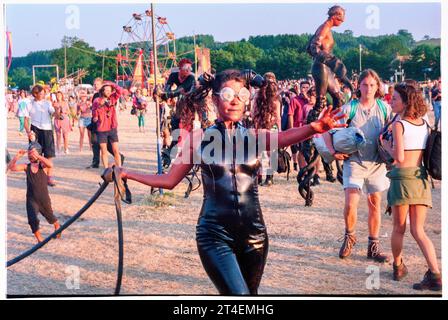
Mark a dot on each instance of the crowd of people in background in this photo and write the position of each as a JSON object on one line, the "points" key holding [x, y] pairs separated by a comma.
{"points": [[276, 106]]}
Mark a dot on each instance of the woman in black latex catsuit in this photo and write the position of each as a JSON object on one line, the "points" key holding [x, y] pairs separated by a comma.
{"points": [[230, 234]]}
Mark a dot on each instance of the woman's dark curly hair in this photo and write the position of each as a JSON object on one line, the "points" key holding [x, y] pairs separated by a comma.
{"points": [[265, 113], [415, 106], [196, 101]]}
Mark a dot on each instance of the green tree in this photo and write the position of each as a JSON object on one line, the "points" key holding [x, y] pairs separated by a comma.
{"points": [[22, 78], [406, 37], [245, 54], [80, 55], [221, 59], [425, 60], [391, 46], [285, 63]]}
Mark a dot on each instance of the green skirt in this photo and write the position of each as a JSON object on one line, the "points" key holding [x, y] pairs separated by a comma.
{"points": [[409, 186]]}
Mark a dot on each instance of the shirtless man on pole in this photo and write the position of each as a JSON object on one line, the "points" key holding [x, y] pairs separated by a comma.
{"points": [[326, 67]]}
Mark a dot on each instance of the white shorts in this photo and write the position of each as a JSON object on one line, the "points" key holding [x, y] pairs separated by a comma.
{"points": [[370, 174]]}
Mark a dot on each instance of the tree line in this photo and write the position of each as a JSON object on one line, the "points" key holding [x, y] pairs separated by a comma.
{"points": [[284, 54]]}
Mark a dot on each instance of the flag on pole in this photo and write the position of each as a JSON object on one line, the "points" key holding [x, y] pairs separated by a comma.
{"points": [[203, 56], [138, 77], [9, 44]]}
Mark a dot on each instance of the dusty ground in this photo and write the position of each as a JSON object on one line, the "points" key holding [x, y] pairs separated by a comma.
{"points": [[160, 250]]}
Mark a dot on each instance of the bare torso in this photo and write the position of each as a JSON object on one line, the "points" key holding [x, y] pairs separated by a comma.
{"points": [[323, 38]]}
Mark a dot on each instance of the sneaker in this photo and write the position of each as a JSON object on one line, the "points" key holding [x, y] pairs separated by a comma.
{"points": [[431, 281], [400, 271], [374, 252], [330, 178], [66, 151], [349, 240], [93, 166]]}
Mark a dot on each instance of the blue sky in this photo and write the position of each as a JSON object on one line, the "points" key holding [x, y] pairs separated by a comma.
{"points": [[42, 26]]}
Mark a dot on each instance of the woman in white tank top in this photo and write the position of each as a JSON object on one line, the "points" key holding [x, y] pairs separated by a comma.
{"points": [[410, 190]]}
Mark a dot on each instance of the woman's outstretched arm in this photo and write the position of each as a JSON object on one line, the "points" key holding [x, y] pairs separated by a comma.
{"points": [[179, 169], [164, 181]]}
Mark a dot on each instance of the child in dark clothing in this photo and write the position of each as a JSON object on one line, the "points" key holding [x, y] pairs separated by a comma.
{"points": [[37, 196]]}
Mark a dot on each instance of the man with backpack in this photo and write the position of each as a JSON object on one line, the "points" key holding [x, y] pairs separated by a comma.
{"points": [[364, 168]]}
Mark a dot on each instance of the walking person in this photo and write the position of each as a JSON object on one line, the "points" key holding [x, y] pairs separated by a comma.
{"points": [[363, 169], [410, 190], [84, 115], [72, 105], [266, 114], [436, 95], [140, 104], [294, 119], [21, 110], [38, 115], [37, 196], [62, 124], [97, 84], [104, 115], [231, 234]]}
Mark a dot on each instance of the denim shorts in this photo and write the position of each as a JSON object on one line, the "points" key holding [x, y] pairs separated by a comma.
{"points": [[84, 122]]}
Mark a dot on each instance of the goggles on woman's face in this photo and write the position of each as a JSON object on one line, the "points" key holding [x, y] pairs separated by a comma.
{"points": [[228, 94]]}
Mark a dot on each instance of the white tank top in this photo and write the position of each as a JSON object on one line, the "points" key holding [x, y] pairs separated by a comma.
{"points": [[414, 136]]}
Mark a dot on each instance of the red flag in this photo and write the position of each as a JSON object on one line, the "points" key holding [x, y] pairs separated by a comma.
{"points": [[9, 39], [138, 76]]}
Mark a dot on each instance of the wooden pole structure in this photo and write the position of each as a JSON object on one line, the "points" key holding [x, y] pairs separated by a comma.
{"points": [[360, 57], [65, 60], [159, 140], [102, 70], [195, 57]]}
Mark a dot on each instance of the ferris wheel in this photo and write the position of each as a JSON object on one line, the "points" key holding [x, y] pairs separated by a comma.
{"points": [[135, 59]]}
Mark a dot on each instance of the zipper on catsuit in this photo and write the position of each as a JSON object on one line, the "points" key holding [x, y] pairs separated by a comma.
{"points": [[235, 188]]}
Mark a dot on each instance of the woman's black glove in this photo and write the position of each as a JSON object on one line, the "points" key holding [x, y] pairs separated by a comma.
{"points": [[253, 79]]}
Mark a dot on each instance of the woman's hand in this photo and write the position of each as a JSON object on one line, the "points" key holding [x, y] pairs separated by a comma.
{"points": [[387, 145], [328, 121], [340, 156]]}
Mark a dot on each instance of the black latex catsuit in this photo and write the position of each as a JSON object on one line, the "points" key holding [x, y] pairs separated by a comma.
{"points": [[231, 234], [325, 69]]}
